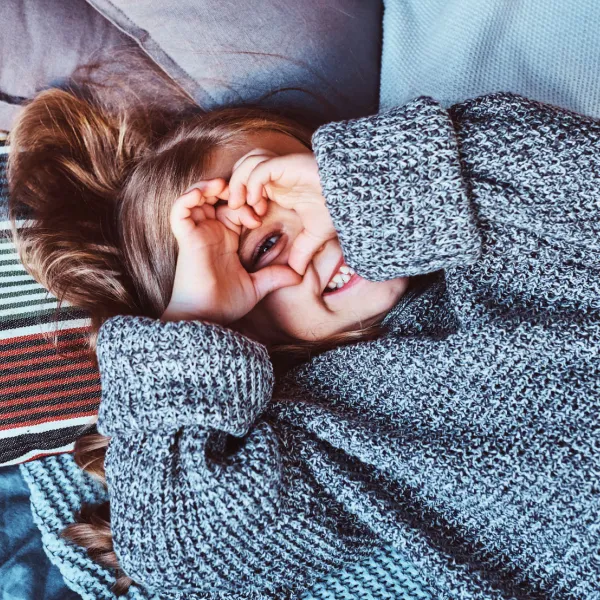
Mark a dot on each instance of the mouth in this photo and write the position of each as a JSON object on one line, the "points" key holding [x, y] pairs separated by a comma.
{"points": [[340, 278]]}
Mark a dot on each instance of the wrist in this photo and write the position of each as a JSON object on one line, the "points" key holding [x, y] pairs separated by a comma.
{"points": [[181, 311]]}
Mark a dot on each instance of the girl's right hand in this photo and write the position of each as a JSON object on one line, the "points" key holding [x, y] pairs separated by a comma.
{"points": [[210, 282]]}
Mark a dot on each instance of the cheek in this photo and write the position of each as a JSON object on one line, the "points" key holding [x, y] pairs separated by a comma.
{"points": [[293, 311]]}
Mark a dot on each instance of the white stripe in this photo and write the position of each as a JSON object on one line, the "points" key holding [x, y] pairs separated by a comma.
{"points": [[27, 278], [7, 267], [6, 224], [19, 310], [30, 455], [48, 426], [22, 288], [41, 327], [4, 149]]}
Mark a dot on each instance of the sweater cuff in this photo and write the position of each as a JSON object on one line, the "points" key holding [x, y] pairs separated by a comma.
{"points": [[164, 375], [394, 188]]}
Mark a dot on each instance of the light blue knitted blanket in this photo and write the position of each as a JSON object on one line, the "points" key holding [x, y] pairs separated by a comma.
{"points": [[59, 487], [453, 50]]}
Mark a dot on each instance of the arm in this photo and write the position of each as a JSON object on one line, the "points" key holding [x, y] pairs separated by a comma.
{"points": [[194, 509], [419, 188]]}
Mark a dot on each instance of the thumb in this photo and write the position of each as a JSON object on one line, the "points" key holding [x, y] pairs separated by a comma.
{"points": [[272, 278], [305, 246]]}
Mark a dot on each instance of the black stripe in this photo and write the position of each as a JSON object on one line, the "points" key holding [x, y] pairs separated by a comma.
{"points": [[50, 405], [49, 354], [57, 387], [8, 295], [65, 314], [50, 377], [30, 303], [18, 272], [32, 345], [8, 284], [71, 413], [15, 447], [24, 369]]}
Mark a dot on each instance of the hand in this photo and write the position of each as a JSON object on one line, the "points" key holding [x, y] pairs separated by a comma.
{"points": [[291, 180], [210, 282]]}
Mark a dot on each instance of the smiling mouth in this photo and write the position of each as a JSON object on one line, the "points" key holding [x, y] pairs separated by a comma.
{"points": [[340, 278]]}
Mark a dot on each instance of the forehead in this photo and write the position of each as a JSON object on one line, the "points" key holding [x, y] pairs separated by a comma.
{"points": [[223, 158]]}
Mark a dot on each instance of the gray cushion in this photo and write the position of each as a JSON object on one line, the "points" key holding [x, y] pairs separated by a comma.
{"points": [[227, 52], [41, 43]]}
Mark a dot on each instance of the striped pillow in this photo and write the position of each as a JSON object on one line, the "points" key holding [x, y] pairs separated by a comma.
{"points": [[48, 398]]}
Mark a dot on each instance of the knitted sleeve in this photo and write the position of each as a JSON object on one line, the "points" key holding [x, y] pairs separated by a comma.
{"points": [[202, 499], [501, 192]]}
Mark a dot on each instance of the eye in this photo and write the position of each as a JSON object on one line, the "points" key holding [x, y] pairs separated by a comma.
{"points": [[264, 247]]}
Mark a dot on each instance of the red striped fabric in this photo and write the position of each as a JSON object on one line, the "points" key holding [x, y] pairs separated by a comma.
{"points": [[49, 392]]}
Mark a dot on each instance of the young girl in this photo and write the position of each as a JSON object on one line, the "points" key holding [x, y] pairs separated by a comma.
{"points": [[449, 261]]}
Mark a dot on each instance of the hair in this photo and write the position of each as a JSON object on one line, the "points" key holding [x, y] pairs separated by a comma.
{"points": [[94, 167]]}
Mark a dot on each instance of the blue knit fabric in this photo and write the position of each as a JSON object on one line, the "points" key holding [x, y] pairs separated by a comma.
{"points": [[453, 50], [59, 487]]}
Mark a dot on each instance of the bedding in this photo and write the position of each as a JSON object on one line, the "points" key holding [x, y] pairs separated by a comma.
{"points": [[453, 50], [58, 487], [42, 42], [228, 52], [25, 571]]}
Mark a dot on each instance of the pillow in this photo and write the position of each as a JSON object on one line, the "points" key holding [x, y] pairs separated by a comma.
{"points": [[47, 399], [230, 52], [452, 51], [42, 43]]}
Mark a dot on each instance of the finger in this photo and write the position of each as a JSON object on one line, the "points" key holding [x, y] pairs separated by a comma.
{"points": [[225, 218], [209, 188], [237, 181], [263, 174], [248, 217], [209, 211], [253, 152], [260, 208], [224, 195], [303, 249], [272, 278], [197, 214], [179, 218], [241, 216], [201, 213]]}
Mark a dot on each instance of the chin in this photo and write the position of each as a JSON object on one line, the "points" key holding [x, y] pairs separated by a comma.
{"points": [[379, 297]]}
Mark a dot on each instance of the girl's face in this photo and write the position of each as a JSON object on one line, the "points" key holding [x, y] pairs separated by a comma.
{"points": [[311, 310]]}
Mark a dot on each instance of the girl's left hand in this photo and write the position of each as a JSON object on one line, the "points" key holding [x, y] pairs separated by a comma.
{"points": [[291, 180]]}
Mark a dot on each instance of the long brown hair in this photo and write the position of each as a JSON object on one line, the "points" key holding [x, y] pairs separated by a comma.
{"points": [[95, 169]]}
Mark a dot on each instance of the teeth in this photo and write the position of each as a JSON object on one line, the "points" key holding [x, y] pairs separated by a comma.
{"points": [[341, 278]]}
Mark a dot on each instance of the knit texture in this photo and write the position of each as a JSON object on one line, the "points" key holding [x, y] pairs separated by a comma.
{"points": [[59, 487], [466, 436], [454, 50]]}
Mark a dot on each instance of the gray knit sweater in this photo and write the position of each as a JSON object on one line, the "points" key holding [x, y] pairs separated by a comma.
{"points": [[467, 434]]}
